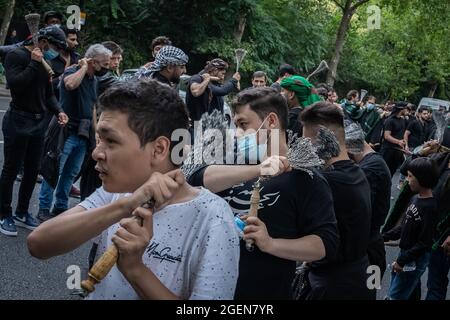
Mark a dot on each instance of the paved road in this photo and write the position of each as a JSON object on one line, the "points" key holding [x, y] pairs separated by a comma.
{"points": [[23, 277]]}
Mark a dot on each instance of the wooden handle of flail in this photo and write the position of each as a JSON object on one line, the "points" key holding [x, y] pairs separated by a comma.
{"points": [[254, 206], [100, 269], [105, 263], [47, 67]]}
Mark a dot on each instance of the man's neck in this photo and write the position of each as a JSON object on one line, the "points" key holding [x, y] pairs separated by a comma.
{"points": [[165, 74], [185, 193], [343, 155], [366, 151], [425, 193], [90, 71], [281, 148]]}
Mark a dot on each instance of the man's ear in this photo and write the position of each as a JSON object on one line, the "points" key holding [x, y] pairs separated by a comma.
{"points": [[160, 150], [291, 95], [273, 121]]}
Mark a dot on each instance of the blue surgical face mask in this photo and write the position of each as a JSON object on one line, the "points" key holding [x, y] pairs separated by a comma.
{"points": [[370, 106], [248, 147], [50, 54]]}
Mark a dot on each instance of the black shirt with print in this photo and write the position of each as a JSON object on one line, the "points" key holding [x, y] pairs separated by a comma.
{"points": [[292, 205], [416, 231]]}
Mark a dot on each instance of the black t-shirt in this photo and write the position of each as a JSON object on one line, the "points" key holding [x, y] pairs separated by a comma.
{"points": [[294, 122], [379, 178], [416, 231], [397, 127], [430, 131], [352, 206], [197, 105], [292, 205], [31, 89], [417, 136]]}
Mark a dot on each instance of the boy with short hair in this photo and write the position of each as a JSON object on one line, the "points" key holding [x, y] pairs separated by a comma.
{"points": [[416, 231]]}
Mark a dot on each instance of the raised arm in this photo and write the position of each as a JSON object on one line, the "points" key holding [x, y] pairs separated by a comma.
{"points": [[197, 89]]}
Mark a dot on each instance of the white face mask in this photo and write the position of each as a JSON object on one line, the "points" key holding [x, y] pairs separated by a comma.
{"points": [[248, 147]]}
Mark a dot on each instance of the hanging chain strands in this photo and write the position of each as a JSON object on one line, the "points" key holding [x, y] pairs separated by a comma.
{"points": [[239, 54], [302, 154]]}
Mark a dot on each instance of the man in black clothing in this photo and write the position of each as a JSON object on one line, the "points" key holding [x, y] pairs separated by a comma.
{"points": [[416, 130], [379, 178], [168, 67], [299, 94], [25, 123], [344, 277], [204, 93], [284, 71], [66, 58], [295, 217], [393, 144]]}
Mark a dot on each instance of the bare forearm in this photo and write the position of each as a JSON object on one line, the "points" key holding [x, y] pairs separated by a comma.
{"points": [[309, 248], [73, 81], [390, 138], [198, 89], [221, 177], [148, 286], [70, 230], [406, 136]]}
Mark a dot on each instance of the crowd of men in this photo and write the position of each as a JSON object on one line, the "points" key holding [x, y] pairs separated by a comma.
{"points": [[323, 225]]}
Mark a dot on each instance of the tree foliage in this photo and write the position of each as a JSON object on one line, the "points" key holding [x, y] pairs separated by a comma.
{"points": [[407, 58]]}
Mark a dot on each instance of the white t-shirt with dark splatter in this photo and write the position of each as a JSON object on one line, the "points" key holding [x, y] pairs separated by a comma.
{"points": [[194, 251]]}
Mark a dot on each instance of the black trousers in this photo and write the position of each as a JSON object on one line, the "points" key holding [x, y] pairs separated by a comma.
{"points": [[23, 143], [345, 281], [394, 159], [376, 253]]}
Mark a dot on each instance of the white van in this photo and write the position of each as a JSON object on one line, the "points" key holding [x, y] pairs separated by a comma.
{"points": [[434, 104]]}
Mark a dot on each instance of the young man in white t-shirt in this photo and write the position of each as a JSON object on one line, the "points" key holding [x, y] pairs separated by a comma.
{"points": [[188, 248]]}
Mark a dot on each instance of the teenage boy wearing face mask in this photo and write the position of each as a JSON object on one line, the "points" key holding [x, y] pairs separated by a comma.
{"points": [[78, 94], [295, 218]]}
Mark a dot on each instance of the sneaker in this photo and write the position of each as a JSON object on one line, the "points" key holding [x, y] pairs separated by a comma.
{"points": [[44, 215], [8, 227], [25, 220], [57, 211], [74, 192]]}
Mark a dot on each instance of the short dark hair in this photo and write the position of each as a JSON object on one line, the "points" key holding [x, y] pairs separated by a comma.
{"points": [[153, 109], [113, 47], [263, 101], [422, 109], [68, 31], [259, 74], [286, 69], [161, 40], [425, 170], [52, 14], [351, 94], [323, 113]]}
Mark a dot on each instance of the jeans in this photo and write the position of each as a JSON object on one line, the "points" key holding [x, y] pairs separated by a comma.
{"points": [[23, 144], [70, 163], [404, 284], [438, 275]]}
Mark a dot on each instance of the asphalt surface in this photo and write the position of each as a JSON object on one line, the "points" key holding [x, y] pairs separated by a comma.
{"points": [[24, 277]]}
